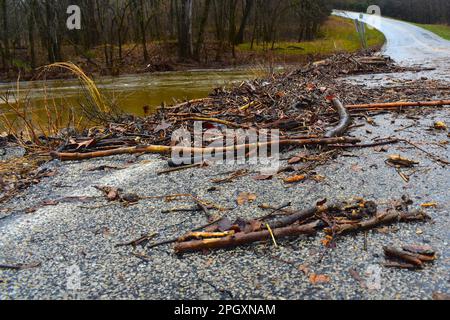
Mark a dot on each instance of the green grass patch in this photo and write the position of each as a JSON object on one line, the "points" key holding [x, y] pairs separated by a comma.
{"points": [[337, 35], [441, 30]]}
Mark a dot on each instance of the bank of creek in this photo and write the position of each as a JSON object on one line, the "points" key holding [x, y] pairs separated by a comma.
{"points": [[346, 201]]}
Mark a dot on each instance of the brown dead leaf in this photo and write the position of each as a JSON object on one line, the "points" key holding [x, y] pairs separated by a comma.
{"points": [[299, 158], [280, 94], [303, 268], [85, 144], [318, 278], [295, 179], [326, 242], [246, 197], [254, 225], [318, 178], [113, 194], [356, 168]]}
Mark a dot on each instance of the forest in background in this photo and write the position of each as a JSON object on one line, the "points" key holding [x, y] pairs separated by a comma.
{"points": [[129, 36], [34, 32]]}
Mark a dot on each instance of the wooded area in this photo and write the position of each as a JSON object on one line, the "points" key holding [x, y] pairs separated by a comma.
{"points": [[420, 11], [34, 32]]}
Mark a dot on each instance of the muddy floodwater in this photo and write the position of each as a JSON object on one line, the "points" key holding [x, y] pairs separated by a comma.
{"points": [[131, 92]]}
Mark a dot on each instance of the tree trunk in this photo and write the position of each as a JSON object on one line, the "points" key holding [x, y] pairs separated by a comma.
{"points": [[247, 11], [143, 31], [185, 47], [201, 32], [5, 35]]}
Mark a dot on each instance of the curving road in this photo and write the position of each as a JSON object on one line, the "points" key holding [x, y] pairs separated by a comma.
{"points": [[406, 43]]}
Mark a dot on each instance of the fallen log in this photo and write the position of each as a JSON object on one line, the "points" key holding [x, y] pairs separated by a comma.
{"points": [[199, 151], [243, 238], [344, 123], [396, 105]]}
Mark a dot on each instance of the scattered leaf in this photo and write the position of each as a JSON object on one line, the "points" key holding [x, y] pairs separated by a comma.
{"points": [[318, 178], [295, 179], [304, 269], [246, 197], [225, 224], [299, 158], [327, 241], [318, 278]]}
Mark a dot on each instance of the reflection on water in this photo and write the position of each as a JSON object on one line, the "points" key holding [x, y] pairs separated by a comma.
{"points": [[131, 92]]}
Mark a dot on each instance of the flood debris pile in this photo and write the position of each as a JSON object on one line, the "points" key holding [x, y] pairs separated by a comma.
{"points": [[303, 104]]}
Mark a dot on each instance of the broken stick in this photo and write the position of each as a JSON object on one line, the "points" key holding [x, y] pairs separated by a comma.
{"points": [[243, 238], [205, 151], [381, 219], [395, 105]]}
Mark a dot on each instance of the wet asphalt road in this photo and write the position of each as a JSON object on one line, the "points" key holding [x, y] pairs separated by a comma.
{"points": [[406, 43], [75, 241]]}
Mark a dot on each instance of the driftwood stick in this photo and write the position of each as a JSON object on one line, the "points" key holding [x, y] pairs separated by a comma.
{"points": [[392, 252], [173, 240], [344, 123], [243, 238], [366, 145], [381, 219], [214, 120], [186, 150], [301, 216], [394, 105]]}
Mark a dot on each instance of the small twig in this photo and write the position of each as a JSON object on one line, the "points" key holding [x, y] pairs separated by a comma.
{"points": [[432, 156], [170, 241], [271, 214], [180, 168], [137, 242], [21, 266]]}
